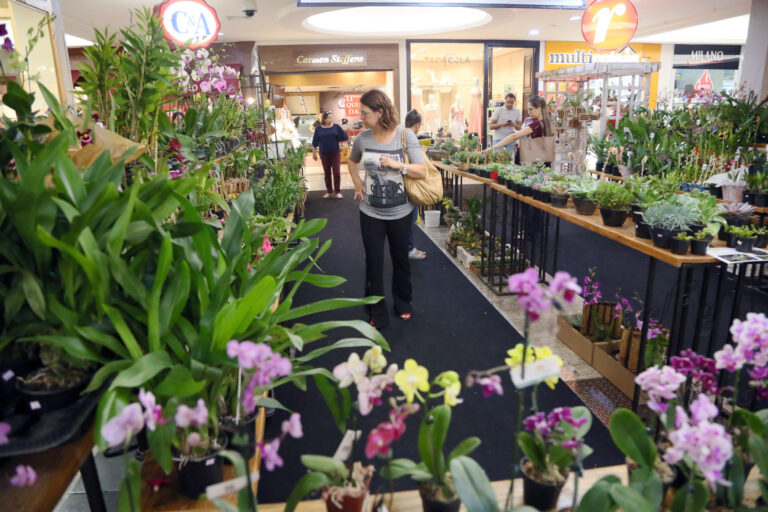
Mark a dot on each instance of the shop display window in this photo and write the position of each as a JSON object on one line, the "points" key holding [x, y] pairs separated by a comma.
{"points": [[447, 87]]}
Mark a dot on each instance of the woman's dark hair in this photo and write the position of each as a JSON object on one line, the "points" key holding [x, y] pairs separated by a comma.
{"points": [[546, 122], [511, 95], [412, 118], [324, 116], [377, 100]]}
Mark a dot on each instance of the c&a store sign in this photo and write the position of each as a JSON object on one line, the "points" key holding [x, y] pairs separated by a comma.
{"points": [[191, 23]]}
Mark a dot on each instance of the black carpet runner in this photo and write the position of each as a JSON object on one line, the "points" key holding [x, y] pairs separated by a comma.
{"points": [[453, 328]]}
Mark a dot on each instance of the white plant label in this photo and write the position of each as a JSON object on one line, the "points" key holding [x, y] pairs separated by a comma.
{"points": [[8, 375], [228, 487], [535, 372], [211, 461], [34, 405], [345, 447]]}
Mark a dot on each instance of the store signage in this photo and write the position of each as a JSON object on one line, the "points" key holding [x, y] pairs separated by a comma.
{"points": [[330, 59], [447, 59], [707, 56], [529, 4], [609, 24], [581, 57], [352, 105], [190, 23], [704, 83]]}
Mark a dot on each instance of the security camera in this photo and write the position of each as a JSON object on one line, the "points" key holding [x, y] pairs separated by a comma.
{"points": [[250, 8]]}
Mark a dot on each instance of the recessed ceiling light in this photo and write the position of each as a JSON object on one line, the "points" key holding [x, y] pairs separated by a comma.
{"points": [[575, 18], [533, 32], [387, 21]]}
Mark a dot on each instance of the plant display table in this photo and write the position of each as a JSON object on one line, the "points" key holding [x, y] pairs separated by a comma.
{"points": [[699, 299], [55, 470]]}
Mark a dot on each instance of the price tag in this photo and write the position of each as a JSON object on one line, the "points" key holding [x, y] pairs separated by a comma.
{"points": [[228, 487], [345, 447], [34, 405], [211, 461], [535, 372], [8, 375]]}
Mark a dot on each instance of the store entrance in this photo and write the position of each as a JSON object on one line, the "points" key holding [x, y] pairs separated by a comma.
{"points": [[510, 70], [307, 95]]}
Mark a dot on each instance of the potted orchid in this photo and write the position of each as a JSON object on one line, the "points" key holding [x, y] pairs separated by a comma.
{"points": [[436, 487]]}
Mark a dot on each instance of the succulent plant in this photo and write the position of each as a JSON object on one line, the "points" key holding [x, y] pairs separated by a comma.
{"points": [[669, 215], [741, 210]]}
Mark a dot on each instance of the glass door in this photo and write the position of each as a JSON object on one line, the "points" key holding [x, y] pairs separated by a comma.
{"points": [[511, 69]]}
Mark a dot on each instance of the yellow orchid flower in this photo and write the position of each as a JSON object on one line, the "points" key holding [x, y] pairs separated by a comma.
{"points": [[516, 358], [412, 378], [452, 394], [374, 358]]}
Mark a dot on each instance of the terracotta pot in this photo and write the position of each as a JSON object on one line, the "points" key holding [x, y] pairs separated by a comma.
{"points": [[349, 503]]}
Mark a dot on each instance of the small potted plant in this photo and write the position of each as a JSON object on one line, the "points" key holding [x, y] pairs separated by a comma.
{"points": [[451, 213], [551, 443], [700, 242], [762, 236], [614, 200], [583, 194], [599, 147], [559, 194], [344, 489], [741, 238], [667, 218], [736, 214], [680, 243], [757, 187]]}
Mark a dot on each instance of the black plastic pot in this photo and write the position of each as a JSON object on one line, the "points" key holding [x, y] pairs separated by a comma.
{"points": [[744, 243], [748, 197], [678, 246], [643, 230], [196, 475], [40, 402], [695, 228], [613, 218], [761, 199], [634, 207], [716, 191], [699, 247], [584, 206], [536, 194], [526, 190], [723, 235], [599, 166], [501, 181], [511, 185], [559, 201], [546, 197], [661, 236], [611, 169], [762, 241], [538, 495], [246, 427], [431, 505], [9, 370], [733, 220]]}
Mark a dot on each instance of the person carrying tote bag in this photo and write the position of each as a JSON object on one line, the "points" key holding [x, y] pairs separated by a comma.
{"points": [[537, 139]]}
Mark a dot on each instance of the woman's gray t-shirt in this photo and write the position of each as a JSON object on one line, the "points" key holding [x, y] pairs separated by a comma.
{"points": [[384, 195]]}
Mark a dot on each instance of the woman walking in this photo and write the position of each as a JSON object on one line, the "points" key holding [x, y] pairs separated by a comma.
{"points": [[385, 213], [327, 137]]}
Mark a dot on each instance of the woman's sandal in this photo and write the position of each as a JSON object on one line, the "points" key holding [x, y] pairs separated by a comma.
{"points": [[405, 316], [416, 254]]}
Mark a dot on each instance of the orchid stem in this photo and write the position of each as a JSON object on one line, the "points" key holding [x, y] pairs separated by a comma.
{"points": [[239, 384]]}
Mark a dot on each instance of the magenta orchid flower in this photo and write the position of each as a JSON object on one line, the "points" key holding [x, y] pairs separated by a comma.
{"points": [[491, 385], [5, 429], [153, 413], [563, 283], [270, 455], [25, 476]]}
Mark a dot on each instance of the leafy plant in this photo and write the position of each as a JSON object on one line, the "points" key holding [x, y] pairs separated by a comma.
{"points": [[669, 215], [613, 195], [585, 188], [98, 76]]}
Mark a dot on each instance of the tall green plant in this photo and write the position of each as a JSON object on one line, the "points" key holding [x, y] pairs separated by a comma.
{"points": [[98, 74]]}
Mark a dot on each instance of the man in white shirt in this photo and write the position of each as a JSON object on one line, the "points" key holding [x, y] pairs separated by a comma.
{"points": [[505, 121]]}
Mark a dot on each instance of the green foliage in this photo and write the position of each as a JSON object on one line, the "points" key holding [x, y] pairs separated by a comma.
{"points": [[97, 73], [669, 215], [584, 188], [629, 435], [473, 486], [613, 195]]}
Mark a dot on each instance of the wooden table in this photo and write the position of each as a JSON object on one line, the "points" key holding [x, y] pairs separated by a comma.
{"points": [[55, 470], [169, 498]]}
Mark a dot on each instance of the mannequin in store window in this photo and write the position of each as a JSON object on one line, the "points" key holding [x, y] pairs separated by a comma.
{"points": [[432, 115], [456, 115], [476, 108]]}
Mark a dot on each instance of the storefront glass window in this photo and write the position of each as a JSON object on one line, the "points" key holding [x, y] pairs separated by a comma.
{"points": [[447, 87]]}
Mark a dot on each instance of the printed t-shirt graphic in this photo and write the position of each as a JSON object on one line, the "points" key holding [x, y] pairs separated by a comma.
{"points": [[384, 187]]}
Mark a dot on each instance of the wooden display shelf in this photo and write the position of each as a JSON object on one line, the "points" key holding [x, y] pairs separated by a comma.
{"points": [[169, 498], [624, 235], [55, 470]]}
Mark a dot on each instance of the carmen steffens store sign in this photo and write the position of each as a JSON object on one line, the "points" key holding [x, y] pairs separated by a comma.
{"points": [[330, 60]]}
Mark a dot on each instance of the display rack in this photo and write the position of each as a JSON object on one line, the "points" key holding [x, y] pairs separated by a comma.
{"points": [[620, 87]]}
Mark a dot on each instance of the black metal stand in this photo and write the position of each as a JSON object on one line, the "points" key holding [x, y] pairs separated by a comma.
{"points": [[92, 485]]}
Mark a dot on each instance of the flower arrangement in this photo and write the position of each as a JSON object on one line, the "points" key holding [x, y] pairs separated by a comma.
{"points": [[200, 72]]}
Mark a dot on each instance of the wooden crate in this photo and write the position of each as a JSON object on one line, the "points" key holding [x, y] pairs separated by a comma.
{"points": [[573, 339], [612, 369]]}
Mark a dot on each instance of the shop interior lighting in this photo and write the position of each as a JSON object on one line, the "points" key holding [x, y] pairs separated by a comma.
{"points": [[76, 42], [533, 32], [401, 21]]}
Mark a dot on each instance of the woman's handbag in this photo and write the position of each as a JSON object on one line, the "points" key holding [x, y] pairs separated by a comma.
{"points": [[540, 149], [424, 191]]}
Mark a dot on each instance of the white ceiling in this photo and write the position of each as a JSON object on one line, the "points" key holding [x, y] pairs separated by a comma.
{"points": [[280, 21]]}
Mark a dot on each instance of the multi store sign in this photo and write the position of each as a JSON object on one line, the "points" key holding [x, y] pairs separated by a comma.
{"points": [[609, 25], [331, 59], [190, 23], [581, 57]]}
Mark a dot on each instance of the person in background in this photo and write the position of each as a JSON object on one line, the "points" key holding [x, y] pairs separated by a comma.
{"points": [[413, 123], [385, 213], [506, 120], [538, 124], [327, 137]]}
